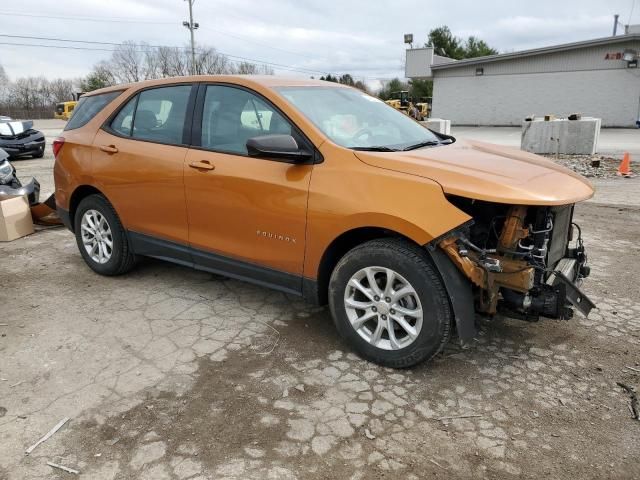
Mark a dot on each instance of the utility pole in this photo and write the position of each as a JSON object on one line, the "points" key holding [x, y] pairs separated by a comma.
{"points": [[192, 26]]}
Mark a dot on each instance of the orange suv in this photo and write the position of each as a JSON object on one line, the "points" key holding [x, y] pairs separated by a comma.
{"points": [[320, 190]]}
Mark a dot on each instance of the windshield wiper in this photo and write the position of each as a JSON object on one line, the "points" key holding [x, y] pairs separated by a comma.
{"points": [[378, 148], [428, 143]]}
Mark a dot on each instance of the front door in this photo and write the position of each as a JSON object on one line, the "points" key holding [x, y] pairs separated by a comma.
{"points": [[139, 159], [247, 215]]}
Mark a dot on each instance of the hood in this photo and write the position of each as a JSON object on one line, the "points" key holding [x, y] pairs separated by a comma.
{"points": [[492, 173], [14, 128]]}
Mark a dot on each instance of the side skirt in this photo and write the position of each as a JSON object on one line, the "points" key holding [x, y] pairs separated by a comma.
{"points": [[187, 256]]}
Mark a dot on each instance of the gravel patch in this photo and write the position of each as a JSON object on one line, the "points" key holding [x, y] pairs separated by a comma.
{"points": [[590, 166]]}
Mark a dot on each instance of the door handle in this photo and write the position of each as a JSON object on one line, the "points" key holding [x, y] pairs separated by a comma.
{"points": [[109, 148], [202, 165]]}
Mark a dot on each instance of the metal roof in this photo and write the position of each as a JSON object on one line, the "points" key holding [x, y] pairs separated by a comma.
{"points": [[536, 51], [264, 80]]}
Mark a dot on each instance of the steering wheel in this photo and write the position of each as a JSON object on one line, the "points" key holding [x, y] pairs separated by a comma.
{"points": [[361, 133]]}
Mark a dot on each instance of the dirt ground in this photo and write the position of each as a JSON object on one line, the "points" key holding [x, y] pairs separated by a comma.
{"points": [[170, 373]]}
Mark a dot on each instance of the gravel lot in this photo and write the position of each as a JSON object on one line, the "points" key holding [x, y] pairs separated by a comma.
{"points": [[170, 373]]}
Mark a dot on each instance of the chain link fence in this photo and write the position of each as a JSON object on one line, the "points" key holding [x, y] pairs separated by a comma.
{"points": [[27, 114]]}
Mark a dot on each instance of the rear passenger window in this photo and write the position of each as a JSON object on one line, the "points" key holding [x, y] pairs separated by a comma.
{"points": [[88, 107], [160, 114]]}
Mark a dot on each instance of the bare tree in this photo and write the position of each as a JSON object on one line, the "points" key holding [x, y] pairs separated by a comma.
{"points": [[247, 68], [132, 62], [171, 62], [210, 62], [150, 65], [23, 93], [128, 62], [60, 90], [37, 93]]}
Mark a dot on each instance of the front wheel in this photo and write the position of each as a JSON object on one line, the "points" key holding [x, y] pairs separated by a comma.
{"points": [[389, 303]]}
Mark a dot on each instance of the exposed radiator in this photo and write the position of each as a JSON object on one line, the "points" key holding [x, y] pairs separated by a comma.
{"points": [[562, 217]]}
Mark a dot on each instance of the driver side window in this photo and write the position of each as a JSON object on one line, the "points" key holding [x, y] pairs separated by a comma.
{"points": [[231, 116]]}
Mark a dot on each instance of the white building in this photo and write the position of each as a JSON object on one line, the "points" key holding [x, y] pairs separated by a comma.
{"points": [[598, 78]]}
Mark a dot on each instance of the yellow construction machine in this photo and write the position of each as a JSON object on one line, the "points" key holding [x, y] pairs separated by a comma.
{"points": [[403, 102]]}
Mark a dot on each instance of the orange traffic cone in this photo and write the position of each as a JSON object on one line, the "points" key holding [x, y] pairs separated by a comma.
{"points": [[624, 169]]}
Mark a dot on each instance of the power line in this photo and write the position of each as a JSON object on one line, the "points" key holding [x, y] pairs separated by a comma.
{"points": [[86, 19], [58, 46], [95, 42], [154, 22], [55, 39], [240, 59], [236, 62], [255, 42], [299, 69], [150, 22], [124, 20]]}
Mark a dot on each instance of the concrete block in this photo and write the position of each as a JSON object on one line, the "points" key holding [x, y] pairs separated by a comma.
{"points": [[571, 137], [438, 125]]}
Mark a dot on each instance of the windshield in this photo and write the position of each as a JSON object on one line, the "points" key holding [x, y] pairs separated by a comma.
{"points": [[356, 120]]}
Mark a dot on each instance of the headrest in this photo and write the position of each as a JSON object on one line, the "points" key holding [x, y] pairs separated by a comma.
{"points": [[145, 120]]}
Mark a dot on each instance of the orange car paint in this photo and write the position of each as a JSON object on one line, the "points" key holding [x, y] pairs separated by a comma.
{"points": [[285, 216]]}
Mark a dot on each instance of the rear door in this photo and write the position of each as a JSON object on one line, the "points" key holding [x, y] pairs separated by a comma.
{"points": [[138, 163]]}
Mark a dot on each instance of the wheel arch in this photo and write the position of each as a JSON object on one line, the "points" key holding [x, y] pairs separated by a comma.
{"points": [[81, 192], [456, 285], [317, 291]]}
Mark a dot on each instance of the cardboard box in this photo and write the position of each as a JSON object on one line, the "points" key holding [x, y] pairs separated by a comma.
{"points": [[15, 217]]}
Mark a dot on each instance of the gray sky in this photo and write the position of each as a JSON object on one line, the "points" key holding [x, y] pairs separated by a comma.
{"points": [[360, 37]]}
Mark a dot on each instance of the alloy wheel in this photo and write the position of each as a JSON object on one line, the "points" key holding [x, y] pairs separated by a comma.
{"points": [[383, 308], [96, 236]]}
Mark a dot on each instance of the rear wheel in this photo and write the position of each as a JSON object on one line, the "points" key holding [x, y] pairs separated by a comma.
{"points": [[390, 304], [101, 238]]}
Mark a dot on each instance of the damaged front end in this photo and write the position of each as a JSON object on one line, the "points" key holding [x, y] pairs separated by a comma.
{"points": [[18, 138], [523, 261]]}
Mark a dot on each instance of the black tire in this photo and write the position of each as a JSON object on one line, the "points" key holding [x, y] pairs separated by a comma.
{"points": [[122, 258], [414, 264]]}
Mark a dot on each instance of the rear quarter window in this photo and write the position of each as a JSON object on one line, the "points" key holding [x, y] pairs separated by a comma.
{"points": [[89, 107]]}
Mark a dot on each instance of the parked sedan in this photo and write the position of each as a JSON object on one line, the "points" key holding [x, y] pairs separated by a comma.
{"points": [[18, 138]]}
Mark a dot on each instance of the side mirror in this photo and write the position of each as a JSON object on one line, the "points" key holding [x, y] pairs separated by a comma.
{"points": [[282, 147]]}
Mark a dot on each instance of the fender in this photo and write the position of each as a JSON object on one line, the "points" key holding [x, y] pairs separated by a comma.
{"points": [[347, 194]]}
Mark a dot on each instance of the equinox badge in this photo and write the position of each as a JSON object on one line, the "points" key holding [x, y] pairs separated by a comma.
{"points": [[275, 236]]}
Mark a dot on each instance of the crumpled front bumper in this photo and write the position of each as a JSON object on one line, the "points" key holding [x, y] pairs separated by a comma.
{"points": [[28, 148], [31, 190], [569, 273], [516, 290]]}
